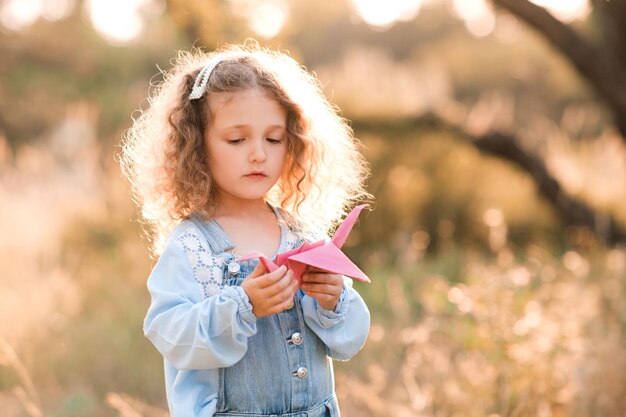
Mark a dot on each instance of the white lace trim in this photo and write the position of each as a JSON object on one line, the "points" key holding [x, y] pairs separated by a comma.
{"points": [[207, 268]]}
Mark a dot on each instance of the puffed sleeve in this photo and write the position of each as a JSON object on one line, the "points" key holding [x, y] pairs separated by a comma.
{"points": [[343, 330], [191, 327]]}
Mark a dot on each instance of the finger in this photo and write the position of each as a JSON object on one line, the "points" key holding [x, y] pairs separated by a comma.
{"points": [[282, 301], [321, 297], [322, 278], [318, 295], [258, 271], [321, 289], [288, 296], [282, 306], [288, 304], [271, 278], [325, 301], [316, 270], [280, 286]]}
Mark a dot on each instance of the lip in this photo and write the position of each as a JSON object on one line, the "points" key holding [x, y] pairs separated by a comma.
{"points": [[256, 174]]}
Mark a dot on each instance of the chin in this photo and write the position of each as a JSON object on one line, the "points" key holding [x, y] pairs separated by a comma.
{"points": [[252, 196]]}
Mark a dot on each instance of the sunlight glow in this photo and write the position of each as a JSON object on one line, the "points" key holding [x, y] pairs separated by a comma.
{"points": [[482, 26], [507, 28], [118, 21], [480, 19], [477, 14], [565, 10], [57, 9], [16, 14], [267, 18], [385, 13], [19, 14]]}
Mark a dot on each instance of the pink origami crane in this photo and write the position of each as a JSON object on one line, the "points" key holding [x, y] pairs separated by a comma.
{"points": [[322, 255]]}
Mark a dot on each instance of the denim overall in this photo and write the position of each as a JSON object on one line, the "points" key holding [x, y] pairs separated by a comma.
{"points": [[285, 371]]}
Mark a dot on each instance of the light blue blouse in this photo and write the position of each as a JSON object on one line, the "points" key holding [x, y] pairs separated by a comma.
{"points": [[219, 358]]}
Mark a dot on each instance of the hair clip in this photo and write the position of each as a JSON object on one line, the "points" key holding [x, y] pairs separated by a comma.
{"points": [[199, 85]]}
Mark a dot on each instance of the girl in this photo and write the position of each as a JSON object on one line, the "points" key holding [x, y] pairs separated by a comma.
{"points": [[239, 151]]}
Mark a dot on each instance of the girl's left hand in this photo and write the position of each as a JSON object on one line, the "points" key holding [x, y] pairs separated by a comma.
{"points": [[322, 285]]}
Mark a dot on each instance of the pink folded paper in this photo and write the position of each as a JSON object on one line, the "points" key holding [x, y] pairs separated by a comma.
{"points": [[322, 255]]}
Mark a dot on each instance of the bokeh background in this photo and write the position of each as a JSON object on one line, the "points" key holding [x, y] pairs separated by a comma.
{"points": [[496, 134]]}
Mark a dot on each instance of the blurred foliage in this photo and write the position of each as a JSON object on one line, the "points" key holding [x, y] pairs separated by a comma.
{"points": [[483, 303]]}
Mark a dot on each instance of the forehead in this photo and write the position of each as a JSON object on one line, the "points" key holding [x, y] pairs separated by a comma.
{"points": [[251, 107]]}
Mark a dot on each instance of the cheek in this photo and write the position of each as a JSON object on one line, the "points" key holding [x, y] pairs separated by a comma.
{"points": [[216, 161], [219, 152], [284, 159]]}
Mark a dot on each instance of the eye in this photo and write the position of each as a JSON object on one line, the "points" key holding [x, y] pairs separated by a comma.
{"points": [[235, 141], [274, 141]]}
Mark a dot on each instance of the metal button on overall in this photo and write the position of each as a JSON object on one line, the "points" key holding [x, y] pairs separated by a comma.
{"points": [[302, 372], [296, 339], [233, 268]]}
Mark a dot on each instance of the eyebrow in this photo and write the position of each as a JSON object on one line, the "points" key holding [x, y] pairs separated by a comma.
{"points": [[241, 126]]}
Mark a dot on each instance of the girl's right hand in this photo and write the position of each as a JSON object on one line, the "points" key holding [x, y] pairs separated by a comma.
{"points": [[270, 293]]}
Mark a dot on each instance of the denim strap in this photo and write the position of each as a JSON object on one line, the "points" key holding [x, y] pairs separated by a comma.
{"points": [[215, 236]]}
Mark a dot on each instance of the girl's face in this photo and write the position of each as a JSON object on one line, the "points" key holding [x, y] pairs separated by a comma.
{"points": [[246, 144]]}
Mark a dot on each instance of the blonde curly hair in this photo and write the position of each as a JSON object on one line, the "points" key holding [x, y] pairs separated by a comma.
{"points": [[164, 154]]}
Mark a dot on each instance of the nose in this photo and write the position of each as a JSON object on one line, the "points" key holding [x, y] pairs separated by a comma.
{"points": [[257, 153]]}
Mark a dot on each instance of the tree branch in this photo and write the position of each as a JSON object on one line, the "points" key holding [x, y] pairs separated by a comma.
{"points": [[504, 146], [599, 66], [611, 17]]}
